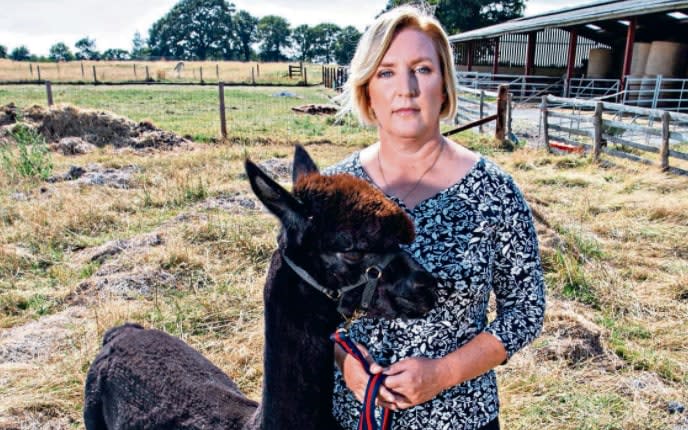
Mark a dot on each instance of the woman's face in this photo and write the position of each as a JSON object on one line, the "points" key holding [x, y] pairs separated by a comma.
{"points": [[407, 90]]}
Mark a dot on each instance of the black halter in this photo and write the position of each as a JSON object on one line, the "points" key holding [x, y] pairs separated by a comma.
{"points": [[369, 278]]}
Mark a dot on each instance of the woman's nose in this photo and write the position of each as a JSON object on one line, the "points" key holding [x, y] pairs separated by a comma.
{"points": [[408, 87]]}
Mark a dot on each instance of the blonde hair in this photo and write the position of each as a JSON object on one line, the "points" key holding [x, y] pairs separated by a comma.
{"points": [[372, 48]]}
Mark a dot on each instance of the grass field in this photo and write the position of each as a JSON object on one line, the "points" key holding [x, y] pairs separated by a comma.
{"points": [[158, 71], [613, 354]]}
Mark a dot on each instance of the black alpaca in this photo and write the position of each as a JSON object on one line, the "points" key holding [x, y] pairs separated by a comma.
{"points": [[345, 237]]}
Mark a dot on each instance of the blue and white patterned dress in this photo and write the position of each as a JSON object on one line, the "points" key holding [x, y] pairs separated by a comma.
{"points": [[477, 237]]}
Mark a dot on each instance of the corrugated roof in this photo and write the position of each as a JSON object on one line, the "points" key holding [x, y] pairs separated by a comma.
{"points": [[588, 13]]}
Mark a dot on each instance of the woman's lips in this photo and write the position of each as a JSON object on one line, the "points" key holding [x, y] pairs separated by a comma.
{"points": [[406, 111]]}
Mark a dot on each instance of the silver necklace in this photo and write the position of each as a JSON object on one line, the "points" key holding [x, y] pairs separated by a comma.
{"points": [[413, 188]]}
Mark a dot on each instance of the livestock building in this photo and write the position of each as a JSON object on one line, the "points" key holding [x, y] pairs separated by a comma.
{"points": [[629, 51]]}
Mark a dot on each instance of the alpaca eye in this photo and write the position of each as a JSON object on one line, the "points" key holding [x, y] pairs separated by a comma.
{"points": [[351, 256]]}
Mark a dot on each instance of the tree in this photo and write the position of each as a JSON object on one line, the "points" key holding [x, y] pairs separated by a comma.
{"points": [[20, 53], [303, 39], [86, 49], [245, 33], [325, 41], [3, 51], [346, 45], [116, 54], [194, 30], [139, 49], [60, 52], [274, 34], [466, 15]]}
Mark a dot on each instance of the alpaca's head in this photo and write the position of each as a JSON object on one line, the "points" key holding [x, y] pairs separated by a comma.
{"points": [[343, 231]]}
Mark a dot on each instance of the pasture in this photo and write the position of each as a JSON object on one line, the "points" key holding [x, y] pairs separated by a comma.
{"points": [[236, 72], [181, 245]]}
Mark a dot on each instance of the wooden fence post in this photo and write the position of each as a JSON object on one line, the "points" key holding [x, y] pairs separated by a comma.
{"points": [[31, 69], [201, 73], [509, 109], [223, 119], [597, 131], [305, 78], [253, 76], [482, 109], [258, 70], [217, 71], [95, 77], [38, 69], [664, 149], [544, 138], [83, 74], [135, 76], [147, 75], [500, 124], [49, 92]]}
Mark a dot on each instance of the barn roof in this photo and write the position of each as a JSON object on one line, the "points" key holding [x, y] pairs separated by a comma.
{"points": [[605, 10]]}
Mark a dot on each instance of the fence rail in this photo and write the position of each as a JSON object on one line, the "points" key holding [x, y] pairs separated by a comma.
{"points": [[629, 132], [474, 105]]}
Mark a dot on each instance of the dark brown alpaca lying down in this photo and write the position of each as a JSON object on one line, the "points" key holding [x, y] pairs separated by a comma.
{"points": [[342, 233]]}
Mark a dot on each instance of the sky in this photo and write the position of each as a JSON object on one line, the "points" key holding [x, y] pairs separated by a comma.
{"points": [[39, 24]]}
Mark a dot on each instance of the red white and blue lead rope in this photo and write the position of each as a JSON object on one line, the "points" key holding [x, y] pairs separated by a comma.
{"points": [[367, 420]]}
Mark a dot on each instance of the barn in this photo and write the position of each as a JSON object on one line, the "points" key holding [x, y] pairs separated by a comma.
{"points": [[627, 51]]}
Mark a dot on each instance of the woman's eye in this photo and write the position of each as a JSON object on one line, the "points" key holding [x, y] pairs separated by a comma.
{"points": [[384, 74], [423, 70], [351, 256]]}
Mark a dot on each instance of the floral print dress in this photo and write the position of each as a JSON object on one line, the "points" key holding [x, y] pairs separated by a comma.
{"points": [[477, 237]]}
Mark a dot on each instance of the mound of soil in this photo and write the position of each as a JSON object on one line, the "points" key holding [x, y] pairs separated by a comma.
{"points": [[573, 338], [92, 127]]}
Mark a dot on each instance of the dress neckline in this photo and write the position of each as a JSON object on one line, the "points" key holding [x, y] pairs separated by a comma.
{"points": [[457, 184]]}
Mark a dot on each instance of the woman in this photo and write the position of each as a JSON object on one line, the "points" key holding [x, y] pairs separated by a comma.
{"points": [[474, 233]]}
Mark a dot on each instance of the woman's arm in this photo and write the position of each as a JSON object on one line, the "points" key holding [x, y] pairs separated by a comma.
{"points": [[416, 380]]}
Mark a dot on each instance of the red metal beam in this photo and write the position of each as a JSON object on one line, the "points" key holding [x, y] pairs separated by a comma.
{"points": [[495, 63], [571, 60], [628, 53], [530, 53], [469, 66]]}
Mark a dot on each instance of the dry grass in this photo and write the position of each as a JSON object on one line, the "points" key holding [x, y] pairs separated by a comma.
{"points": [[160, 71], [613, 355]]}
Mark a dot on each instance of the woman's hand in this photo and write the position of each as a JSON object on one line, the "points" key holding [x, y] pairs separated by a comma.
{"points": [[415, 380], [356, 377]]}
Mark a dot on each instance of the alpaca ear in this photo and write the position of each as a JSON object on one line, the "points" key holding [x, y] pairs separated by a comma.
{"points": [[278, 200], [303, 164]]}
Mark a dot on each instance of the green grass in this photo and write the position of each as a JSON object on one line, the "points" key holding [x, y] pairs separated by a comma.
{"points": [[254, 114]]}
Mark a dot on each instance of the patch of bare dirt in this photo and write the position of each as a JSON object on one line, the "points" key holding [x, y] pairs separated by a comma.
{"points": [[112, 280], [570, 336], [110, 249], [95, 174], [90, 127], [235, 203], [39, 340]]}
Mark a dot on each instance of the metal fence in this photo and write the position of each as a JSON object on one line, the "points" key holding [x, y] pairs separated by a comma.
{"points": [[657, 93], [650, 92], [619, 130], [523, 88]]}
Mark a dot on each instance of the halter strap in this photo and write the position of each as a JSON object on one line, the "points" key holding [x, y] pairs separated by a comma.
{"points": [[369, 278]]}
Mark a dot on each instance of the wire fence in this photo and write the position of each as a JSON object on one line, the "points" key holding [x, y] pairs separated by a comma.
{"points": [[163, 72], [253, 114]]}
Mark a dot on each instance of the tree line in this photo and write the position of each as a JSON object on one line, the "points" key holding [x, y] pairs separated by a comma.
{"points": [[214, 30]]}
